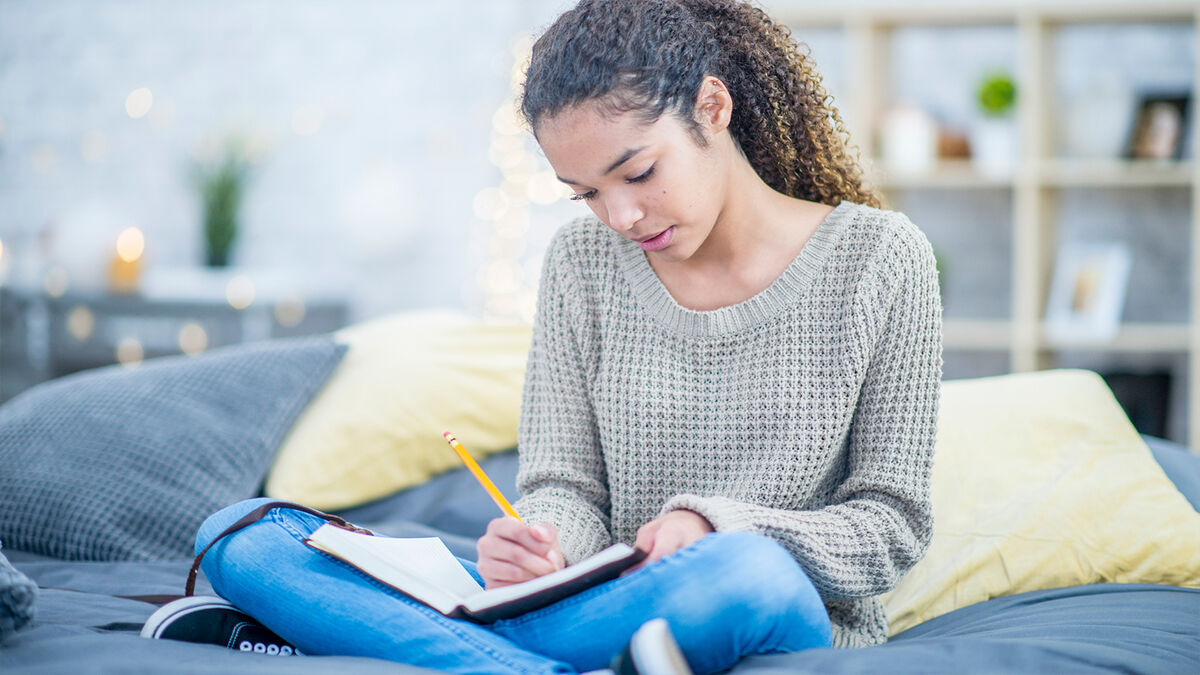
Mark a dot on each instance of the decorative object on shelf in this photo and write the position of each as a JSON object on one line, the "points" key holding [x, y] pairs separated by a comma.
{"points": [[994, 136], [1087, 294], [1095, 123], [909, 139], [953, 144], [222, 185], [1159, 127], [126, 266]]}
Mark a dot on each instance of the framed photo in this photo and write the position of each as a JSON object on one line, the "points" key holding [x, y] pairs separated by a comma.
{"points": [[1159, 127], [1087, 293]]}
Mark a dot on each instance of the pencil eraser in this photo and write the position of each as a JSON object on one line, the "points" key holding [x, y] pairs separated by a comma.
{"points": [[448, 436]]}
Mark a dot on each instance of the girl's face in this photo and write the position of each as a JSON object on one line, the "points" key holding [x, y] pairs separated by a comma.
{"points": [[651, 183]]}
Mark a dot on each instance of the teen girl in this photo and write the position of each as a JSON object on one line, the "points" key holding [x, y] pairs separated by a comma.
{"points": [[735, 366]]}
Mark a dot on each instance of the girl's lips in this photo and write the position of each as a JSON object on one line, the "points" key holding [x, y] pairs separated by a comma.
{"points": [[659, 241]]}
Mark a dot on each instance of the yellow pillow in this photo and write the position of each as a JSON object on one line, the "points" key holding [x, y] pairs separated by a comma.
{"points": [[377, 425], [1040, 481]]}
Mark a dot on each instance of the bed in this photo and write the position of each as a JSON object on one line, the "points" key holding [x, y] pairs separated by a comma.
{"points": [[83, 623]]}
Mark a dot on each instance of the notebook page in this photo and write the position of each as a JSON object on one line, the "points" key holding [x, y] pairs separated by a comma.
{"points": [[422, 566]]}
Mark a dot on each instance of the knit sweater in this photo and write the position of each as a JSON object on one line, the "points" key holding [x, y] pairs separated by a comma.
{"points": [[806, 413]]}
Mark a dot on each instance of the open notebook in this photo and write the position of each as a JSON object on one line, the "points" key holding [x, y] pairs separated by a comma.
{"points": [[425, 570]]}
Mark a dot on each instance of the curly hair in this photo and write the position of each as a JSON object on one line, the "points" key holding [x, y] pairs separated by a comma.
{"points": [[651, 56]]}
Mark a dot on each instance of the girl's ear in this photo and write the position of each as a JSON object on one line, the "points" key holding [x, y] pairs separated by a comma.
{"points": [[714, 105]]}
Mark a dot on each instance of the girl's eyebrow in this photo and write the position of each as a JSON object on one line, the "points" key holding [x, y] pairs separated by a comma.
{"points": [[625, 157]]}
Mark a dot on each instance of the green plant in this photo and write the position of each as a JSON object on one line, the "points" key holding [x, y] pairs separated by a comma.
{"points": [[997, 94], [222, 185]]}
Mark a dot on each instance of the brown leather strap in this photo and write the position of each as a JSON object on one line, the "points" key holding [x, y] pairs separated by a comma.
{"points": [[253, 517]]}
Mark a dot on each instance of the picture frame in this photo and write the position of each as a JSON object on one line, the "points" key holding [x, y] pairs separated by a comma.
{"points": [[1160, 126], [1087, 292]]}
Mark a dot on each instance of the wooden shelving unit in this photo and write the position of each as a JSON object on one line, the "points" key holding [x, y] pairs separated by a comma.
{"points": [[1040, 174]]}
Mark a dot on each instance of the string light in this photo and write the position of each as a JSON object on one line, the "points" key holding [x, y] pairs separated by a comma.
{"points": [[138, 102], [130, 352], [240, 292], [80, 323], [505, 289], [56, 282], [193, 339], [289, 312]]}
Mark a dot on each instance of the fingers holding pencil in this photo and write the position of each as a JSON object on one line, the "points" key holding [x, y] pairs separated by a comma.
{"points": [[511, 552]]}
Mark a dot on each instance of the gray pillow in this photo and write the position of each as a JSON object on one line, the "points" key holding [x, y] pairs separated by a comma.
{"points": [[17, 594], [117, 464]]}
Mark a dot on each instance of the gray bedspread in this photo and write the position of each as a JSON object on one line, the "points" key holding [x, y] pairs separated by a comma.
{"points": [[83, 627]]}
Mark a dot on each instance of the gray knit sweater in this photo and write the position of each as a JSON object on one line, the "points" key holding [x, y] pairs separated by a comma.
{"points": [[806, 413]]}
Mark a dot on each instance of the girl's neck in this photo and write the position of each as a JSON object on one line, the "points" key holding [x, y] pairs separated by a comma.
{"points": [[757, 225]]}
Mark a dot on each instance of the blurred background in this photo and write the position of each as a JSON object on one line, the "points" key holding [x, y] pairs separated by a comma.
{"points": [[176, 177]]}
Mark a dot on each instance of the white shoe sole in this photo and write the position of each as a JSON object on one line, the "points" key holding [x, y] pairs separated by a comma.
{"points": [[655, 652]]}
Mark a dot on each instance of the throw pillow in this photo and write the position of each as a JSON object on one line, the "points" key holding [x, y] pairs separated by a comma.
{"points": [[17, 595], [1040, 481], [124, 464], [377, 426]]}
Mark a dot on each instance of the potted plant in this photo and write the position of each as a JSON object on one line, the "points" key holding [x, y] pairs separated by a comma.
{"points": [[222, 186], [994, 139]]}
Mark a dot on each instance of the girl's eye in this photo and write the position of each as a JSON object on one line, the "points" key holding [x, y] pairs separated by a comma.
{"points": [[591, 194], [645, 176]]}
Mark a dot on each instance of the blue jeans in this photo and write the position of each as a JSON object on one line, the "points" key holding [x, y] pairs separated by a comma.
{"points": [[724, 597]]}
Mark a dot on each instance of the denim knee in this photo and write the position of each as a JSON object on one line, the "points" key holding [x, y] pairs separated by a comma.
{"points": [[774, 589], [219, 521]]}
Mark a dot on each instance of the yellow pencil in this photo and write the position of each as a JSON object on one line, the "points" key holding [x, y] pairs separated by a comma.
{"points": [[481, 476]]}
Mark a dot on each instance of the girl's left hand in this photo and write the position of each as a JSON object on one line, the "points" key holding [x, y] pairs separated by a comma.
{"points": [[669, 533]]}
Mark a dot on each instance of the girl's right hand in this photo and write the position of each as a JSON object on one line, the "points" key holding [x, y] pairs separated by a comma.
{"points": [[511, 552]]}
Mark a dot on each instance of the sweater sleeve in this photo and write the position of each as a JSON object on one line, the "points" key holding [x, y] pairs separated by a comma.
{"points": [[562, 477], [879, 521]]}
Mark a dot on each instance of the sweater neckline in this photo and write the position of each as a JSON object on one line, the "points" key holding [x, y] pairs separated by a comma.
{"points": [[751, 312]]}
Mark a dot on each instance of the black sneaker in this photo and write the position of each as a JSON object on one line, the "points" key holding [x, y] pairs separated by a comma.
{"points": [[652, 651], [210, 620]]}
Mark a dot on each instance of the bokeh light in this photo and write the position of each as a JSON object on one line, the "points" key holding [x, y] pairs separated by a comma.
{"points": [[491, 204], [290, 312], [193, 339], [131, 244], [240, 292], [130, 352], [56, 282], [80, 323], [138, 102]]}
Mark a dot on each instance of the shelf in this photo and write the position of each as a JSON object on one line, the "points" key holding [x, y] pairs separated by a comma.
{"points": [[960, 174], [976, 334], [1132, 337], [954, 174], [988, 13], [1116, 173]]}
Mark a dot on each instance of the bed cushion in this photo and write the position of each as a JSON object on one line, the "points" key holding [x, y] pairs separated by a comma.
{"points": [[1181, 465], [1040, 481], [377, 427], [117, 463], [17, 596]]}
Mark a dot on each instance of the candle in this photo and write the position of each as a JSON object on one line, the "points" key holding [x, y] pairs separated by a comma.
{"points": [[126, 264]]}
